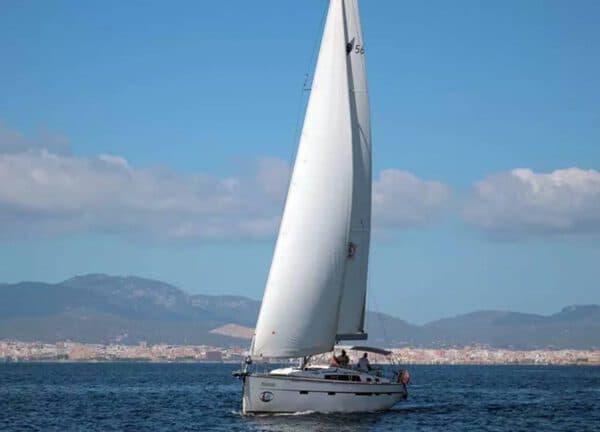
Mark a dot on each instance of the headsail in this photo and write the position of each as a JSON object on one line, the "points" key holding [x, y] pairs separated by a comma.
{"points": [[354, 292], [299, 312]]}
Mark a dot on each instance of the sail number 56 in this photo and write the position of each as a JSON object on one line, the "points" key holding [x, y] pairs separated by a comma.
{"points": [[359, 49]]}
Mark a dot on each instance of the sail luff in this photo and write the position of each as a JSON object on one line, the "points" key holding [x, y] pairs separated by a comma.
{"points": [[352, 305], [299, 312]]}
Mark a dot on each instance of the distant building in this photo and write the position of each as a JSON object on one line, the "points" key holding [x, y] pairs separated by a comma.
{"points": [[214, 356]]}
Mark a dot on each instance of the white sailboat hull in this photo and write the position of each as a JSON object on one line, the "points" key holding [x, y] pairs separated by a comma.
{"points": [[284, 394]]}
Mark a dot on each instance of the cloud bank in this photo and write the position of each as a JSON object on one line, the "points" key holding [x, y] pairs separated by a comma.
{"points": [[45, 190], [401, 199], [43, 193], [12, 142], [522, 202]]}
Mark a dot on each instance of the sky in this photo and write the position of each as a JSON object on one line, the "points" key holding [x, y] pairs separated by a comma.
{"points": [[155, 139]]}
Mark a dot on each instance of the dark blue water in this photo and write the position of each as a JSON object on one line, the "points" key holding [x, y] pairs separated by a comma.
{"points": [[202, 397]]}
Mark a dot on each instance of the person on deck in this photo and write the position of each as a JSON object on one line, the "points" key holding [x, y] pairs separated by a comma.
{"points": [[334, 361], [343, 359], [363, 363]]}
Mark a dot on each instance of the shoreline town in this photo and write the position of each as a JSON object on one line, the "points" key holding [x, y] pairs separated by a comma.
{"points": [[18, 351]]}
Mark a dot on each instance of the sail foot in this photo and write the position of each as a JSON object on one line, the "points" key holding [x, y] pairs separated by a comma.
{"points": [[351, 336]]}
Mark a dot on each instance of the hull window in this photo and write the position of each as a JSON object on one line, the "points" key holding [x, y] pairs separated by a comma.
{"points": [[354, 378]]}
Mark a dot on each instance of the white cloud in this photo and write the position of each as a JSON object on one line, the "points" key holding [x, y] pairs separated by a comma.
{"points": [[273, 177], [47, 194], [12, 141], [522, 202], [43, 193], [401, 199]]}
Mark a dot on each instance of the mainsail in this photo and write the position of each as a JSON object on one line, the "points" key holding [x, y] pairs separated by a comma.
{"points": [[317, 282], [354, 291]]}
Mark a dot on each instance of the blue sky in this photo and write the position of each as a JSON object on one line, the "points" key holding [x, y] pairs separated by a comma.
{"points": [[152, 138]]}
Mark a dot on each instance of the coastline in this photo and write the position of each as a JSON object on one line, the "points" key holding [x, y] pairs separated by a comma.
{"points": [[12, 351]]}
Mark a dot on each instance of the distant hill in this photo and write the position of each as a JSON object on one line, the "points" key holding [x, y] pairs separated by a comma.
{"points": [[572, 327], [102, 309], [98, 308]]}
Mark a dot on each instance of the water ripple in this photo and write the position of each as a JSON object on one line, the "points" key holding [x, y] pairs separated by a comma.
{"points": [[200, 397]]}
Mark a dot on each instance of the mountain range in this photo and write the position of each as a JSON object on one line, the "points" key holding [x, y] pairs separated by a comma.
{"points": [[98, 308]]}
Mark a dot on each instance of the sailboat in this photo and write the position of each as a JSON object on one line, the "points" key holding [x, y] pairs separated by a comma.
{"points": [[317, 285]]}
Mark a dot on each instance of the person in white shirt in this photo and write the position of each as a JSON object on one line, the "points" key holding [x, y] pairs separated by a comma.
{"points": [[363, 363]]}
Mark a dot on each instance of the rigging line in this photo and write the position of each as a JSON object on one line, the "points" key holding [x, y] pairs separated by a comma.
{"points": [[296, 135], [307, 78], [301, 103]]}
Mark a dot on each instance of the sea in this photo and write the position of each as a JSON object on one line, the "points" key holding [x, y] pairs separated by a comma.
{"points": [[205, 397]]}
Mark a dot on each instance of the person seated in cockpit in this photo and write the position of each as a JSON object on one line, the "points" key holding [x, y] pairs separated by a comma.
{"points": [[363, 364], [343, 359]]}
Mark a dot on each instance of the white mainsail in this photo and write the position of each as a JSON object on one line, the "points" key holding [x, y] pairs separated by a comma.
{"points": [[354, 291], [317, 283]]}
